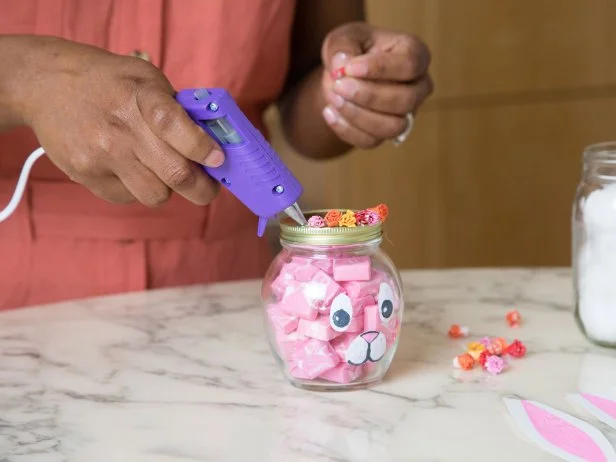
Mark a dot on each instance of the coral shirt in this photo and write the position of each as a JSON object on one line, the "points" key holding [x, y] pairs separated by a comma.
{"points": [[64, 243]]}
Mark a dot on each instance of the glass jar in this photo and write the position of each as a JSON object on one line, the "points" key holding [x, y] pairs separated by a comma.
{"points": [[333, 306], [594, 245]]}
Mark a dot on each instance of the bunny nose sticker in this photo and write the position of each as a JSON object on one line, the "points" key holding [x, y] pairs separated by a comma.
{"points": [[369, 346]]}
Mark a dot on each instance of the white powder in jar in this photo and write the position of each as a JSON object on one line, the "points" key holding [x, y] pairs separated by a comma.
{"points": [[596, 265]]}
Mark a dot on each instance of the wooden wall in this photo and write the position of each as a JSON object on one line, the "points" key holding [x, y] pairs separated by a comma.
{"points": [[488, 175]]}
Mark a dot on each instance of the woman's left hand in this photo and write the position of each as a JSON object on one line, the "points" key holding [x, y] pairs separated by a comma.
{"points": [[373, 80]]}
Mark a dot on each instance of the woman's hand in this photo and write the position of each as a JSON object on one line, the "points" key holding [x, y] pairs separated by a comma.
{"points": [[373, 79], [112, 124]]}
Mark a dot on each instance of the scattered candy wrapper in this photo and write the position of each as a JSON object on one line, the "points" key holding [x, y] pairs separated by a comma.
{"points": [[456, 331], [494, 364], [475, 349], [464, 361], [514, 318], [488, 353]]}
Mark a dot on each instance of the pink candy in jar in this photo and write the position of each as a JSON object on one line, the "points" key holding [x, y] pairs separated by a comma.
{"points": [[333, 305]]}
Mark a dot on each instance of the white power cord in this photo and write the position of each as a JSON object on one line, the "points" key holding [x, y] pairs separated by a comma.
{"points": [[21, 184]]}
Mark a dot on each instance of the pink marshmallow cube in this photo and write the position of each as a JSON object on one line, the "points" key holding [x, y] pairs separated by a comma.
{"points": [[391, 333], [343, 373], [305, 273], [301, 271], [302, 260], [281, 282], [295, 303], [357, 323], [288, 345], [319, 329], [322, 289], [341, 344], [352, 269], [360, 289], [326, 265], [372, 320], [361, 303], [282, 321], [313, 359]]}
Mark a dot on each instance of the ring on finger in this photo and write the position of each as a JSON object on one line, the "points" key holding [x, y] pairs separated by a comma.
{"points": [[401, 138]]}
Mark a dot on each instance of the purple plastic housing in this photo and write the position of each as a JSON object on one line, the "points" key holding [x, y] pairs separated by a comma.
{"points": [[252, 170]]}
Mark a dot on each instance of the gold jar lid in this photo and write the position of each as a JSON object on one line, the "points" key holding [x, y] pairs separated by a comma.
{"points": [[291, 232]]}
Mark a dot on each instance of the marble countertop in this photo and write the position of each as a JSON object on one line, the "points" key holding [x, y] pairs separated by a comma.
{"points": [[186, 375]]}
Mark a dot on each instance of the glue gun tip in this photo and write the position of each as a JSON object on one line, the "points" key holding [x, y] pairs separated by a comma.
{"points": [[296, 214]]}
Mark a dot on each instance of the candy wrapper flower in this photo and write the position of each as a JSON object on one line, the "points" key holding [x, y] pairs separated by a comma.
{"points": [[513, 318], [347, 220], [382, 210], [456, 331], [316, 221], [332, 218], [465, 362], [516, 349], [489, 352], [494, 365], [475, 349], [483, 357], [367, 217], [497, 346]]}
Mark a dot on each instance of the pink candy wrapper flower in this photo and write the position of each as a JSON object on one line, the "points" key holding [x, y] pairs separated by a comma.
{"points": [[485, 341], [494, 365], [316, 221], [367, 217]]}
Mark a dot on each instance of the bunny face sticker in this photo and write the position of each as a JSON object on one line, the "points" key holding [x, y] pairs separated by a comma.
{"points": [[385, 303], [371, 344], [341, 313]]}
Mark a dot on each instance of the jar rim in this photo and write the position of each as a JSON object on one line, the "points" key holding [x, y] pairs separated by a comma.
{"points": [[604, 151], [291, 232]]}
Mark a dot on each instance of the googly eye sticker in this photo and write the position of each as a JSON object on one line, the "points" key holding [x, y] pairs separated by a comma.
{"points": [[386, 302], [341, 313]]}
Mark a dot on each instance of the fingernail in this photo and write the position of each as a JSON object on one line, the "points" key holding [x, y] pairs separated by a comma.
{"points": [[339, 60], [329, 115], [346, 87], [214, 159], [336, 99], [357, 69]]}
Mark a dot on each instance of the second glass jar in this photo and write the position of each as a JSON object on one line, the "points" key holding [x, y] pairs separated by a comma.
{"points": [[594, 245]]}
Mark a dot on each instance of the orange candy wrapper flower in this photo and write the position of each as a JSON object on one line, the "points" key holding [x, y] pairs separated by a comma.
{"points": [[347, 220], [513, 318], [464, 361], [382, 210], [332, 218], [455, 331], [497, 347]]}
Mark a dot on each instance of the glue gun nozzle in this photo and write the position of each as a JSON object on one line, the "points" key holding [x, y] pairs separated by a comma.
{"points": [[296, 214]]}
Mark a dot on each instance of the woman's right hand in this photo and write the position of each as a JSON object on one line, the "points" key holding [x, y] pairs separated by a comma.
{"points": [[112, 124]]}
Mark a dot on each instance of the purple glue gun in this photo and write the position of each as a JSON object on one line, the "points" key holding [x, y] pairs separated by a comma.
{"points": [[252, 170]]}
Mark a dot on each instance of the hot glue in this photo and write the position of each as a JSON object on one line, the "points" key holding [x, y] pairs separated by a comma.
{"points": [[252, 171]]}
